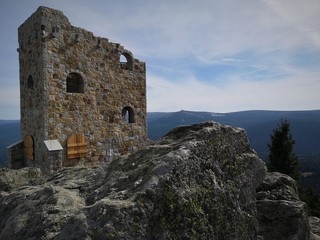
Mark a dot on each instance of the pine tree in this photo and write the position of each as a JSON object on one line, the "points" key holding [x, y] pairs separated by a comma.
{"points": [[281, 156]]}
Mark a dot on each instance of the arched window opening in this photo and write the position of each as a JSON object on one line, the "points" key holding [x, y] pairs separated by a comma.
{"points": [[123, 59], [29, 148], [75, 83], [126, 61], [30, 83], [128, 114], [77, 146]]}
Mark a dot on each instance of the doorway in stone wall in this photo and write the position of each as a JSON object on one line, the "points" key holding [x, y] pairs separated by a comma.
{"points": [[77, 149], [29, 148]]}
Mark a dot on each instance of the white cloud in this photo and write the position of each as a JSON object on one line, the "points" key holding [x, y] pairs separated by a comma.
{"points": [[210, 29], [258, 41], [301, 15], [299, 91]]}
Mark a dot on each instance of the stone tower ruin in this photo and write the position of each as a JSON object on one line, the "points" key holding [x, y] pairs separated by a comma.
{"points": [[83, 98]]}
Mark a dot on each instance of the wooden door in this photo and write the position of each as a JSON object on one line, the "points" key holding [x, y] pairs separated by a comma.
{"points": [[77, 146], [29, 148]]}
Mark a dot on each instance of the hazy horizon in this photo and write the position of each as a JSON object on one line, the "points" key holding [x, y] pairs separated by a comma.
{"points": [[199, 111]]}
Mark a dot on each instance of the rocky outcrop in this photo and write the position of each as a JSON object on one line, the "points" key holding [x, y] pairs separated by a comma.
{"points": [[281, 214], [198, 182], [11, 178], [314, 223]]}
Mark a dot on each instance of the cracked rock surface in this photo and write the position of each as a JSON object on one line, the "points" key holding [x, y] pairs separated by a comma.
{"points": [[281, 214], [197, 182]]}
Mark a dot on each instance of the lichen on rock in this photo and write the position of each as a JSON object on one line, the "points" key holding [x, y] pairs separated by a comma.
{"points": [[197, 182], [11, 178]]}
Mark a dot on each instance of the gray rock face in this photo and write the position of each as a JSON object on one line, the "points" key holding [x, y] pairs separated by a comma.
{"points": [[314, 223], [198, 182], [11, 178], [281, 214]]}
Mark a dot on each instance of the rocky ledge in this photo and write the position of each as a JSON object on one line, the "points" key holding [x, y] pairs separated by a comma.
{"points": [[197, 182], [281, 214]]}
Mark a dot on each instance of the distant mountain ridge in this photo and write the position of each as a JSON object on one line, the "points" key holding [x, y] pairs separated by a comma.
{"points": [[304, 125], [259, 124]]}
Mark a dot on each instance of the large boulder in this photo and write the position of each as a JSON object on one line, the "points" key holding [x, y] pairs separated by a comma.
{"points": [[197, 182], [281, 214]]}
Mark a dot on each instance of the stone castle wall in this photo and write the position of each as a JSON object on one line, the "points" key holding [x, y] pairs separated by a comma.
{"points": [[32, 100], [109, 105]]}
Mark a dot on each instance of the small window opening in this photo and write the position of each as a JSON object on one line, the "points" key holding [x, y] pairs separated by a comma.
{"points": [[75, 83], [128, 114], [123, 59], [99, 43], [55, 31], [30, 83], [126, 61]]}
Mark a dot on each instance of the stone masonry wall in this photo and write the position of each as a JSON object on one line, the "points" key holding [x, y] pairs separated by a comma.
{"points": [[32, 83], [50, 49]]}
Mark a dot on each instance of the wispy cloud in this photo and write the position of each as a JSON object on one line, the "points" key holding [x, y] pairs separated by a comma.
{"points": [[207, 55], [238, 93], [300, 15]]}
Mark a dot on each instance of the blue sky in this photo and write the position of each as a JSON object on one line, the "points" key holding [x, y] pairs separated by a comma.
{"points": [[204, 55]]}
